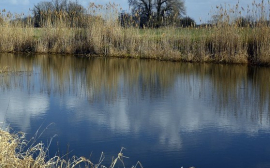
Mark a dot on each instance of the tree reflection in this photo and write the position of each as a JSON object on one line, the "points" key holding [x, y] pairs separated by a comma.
{"points": [[228, 88]]}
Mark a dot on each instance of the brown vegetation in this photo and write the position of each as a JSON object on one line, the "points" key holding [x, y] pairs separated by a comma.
{"points": [[15, 151], [12, 153], [102, 35]]}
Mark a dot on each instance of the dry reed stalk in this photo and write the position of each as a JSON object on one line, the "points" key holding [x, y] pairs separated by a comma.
{"points": [[4, 69], [14, 154]]}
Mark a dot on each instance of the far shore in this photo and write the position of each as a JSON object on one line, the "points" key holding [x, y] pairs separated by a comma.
{"points": [[222, 42]]}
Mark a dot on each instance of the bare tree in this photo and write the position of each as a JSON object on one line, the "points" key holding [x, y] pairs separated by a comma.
{"points": [[153, 11], [75, 13], [60, 5], [49, 13], [42, 13]]}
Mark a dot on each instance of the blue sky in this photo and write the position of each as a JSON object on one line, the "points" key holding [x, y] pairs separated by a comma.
{"points": [[195, 8]]}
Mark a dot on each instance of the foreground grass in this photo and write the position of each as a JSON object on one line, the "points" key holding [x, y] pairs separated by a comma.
{"points": [[223, 42], [14, 154], [4, 69]]}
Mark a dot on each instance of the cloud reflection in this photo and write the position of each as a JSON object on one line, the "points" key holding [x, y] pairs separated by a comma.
{"points": [[181, 110], [154, 99], [19, 108]]}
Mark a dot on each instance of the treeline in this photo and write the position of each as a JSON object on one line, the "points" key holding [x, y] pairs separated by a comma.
{"points": [[248, 21], [156, 13], [72, 14], [49, 13], [240, 21], [153, 15], [128, 20]]}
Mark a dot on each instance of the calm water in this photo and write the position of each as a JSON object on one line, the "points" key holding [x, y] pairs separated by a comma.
{"points": [[165, 114]]}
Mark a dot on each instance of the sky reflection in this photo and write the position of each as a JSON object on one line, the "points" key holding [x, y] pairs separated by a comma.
{"points": [[123, 102]]}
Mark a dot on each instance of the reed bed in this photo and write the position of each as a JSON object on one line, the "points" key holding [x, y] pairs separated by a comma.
{"points": [[224, 41], [16, 151]]}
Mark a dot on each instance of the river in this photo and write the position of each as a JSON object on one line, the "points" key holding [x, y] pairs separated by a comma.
{"points": [[165, 114]]}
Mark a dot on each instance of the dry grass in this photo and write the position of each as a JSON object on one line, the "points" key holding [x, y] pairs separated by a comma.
{"points": [[224, 42], [13, 153], [4, 69]]}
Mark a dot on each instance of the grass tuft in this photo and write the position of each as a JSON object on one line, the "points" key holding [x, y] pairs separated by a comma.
{"points": [[4, 69], [14, 154]]}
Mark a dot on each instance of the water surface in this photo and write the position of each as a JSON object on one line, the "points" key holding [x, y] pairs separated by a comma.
{"points": [[165, 114]]}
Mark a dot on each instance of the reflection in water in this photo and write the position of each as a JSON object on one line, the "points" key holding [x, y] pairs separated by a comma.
{"points": [[20, 108], [152, 101]]}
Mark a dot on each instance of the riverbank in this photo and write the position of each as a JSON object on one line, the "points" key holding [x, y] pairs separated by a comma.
{"points": [[16, 151], [223, 42], [13, 153]]}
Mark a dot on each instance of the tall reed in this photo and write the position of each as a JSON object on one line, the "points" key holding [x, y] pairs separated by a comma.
{"points": [[224, 41]]}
